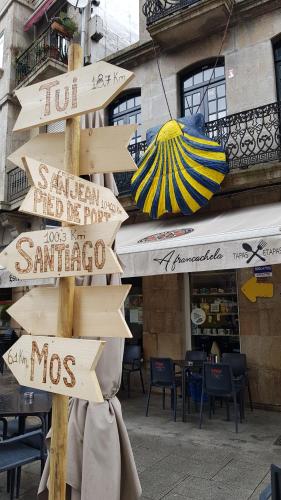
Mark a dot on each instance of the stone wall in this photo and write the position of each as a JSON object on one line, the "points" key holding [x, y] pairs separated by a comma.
{"points": [[260, 332], [163, 316]]}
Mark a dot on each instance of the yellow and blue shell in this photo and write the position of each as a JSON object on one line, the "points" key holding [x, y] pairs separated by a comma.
{"points": [[180, 171]]}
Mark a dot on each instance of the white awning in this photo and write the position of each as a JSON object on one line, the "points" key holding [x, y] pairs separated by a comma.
{"points": [[246, 237]]}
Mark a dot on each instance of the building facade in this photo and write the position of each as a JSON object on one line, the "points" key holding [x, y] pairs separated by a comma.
{"points": [[236, 86]]}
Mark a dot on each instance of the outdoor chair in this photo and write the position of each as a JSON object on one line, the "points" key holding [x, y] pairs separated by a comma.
{"points": [[273, 490], [218, 382], [162, 375], [238, 363], [193, 374], [132, 364], [15, 453]]}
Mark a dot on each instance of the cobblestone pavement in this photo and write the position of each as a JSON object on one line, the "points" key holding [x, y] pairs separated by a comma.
{"points": [[177, 461]]}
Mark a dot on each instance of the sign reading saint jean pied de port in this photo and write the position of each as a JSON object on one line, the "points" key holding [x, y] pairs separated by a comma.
{"points": [[45, 359]]}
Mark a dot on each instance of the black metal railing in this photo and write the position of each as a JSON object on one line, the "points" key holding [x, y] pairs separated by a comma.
{"points": [[157, 9], [17, 184], [250, 138], [123, 179], [50, 44]]}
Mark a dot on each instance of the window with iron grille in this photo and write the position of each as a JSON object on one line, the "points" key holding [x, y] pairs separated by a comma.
{"points": [[203, 91], [125, 111]]}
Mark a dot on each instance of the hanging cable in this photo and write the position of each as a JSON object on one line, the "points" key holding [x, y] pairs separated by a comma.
{"points": [[218, 56], [161, 79]]}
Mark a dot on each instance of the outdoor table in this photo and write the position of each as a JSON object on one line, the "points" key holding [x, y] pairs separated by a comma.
{"points": [[14, 405], [186, 367]]}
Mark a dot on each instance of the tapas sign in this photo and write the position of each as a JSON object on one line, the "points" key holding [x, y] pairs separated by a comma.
{"points": [[59, 365], [71, 94], [56, 194], [96, 311], [66, 251], [102, 150]]}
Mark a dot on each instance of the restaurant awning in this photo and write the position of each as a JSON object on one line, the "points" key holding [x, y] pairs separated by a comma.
{"points": [[240, 238], [38, 13]]}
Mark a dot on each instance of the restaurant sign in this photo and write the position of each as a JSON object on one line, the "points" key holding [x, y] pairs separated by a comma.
{"points": [[141, 260]]}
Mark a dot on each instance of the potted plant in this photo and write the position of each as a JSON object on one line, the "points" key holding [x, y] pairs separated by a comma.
{"points": [[64, 25]]}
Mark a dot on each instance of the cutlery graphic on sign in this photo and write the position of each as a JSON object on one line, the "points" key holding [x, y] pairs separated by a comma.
{"points": [[255, 253]]}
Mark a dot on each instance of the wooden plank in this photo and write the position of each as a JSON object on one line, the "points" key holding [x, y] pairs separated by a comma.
{"points": [[56, 194], [8, 280], [71, 94], [102, 150], [75, 251], [96, 311], [66, 287], [61, 366]]}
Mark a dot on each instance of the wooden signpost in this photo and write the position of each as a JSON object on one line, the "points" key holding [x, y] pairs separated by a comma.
{"points": [[96, 311], [67, 251], [102, 150], [90, 217], [71, 94], [61, 196], [57, 365]]}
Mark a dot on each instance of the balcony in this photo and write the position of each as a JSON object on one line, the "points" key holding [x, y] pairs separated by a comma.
{"points": [[45, 58], [251, 139], [174, 22]]}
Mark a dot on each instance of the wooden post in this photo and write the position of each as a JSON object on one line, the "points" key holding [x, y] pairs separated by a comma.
{"points": [[58, 450]]}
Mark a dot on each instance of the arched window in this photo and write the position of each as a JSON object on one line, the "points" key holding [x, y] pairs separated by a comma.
{"points": [[198, 97], [277, 62], [127, 110]]}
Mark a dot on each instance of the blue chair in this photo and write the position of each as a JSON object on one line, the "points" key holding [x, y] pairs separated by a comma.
{"points": [[162, 375], [15, 453], [218, 382], [273, 490], [131, 364]]}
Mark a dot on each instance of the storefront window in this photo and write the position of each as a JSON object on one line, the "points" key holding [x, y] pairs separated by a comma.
{"points": [[214, 312]]}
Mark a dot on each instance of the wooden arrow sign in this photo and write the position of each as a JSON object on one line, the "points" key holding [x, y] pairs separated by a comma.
{"points": [[62, 366], [74, 93], [253, 289], [61, 196], [96, 311], [66, 251], [102, 150]]}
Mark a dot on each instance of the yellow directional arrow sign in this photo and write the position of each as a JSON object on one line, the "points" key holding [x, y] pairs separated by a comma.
{"points": [[62, 366], [74, 93], [67, 251], [61, 196], [252, 289], [96, 311], [101, 150]]}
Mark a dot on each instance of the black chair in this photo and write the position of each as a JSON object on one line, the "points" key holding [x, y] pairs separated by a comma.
{"points": [[15, 453], [132, 363], [218, 382], [273, 490], [238, 363], [162, 375], [197, 358]]}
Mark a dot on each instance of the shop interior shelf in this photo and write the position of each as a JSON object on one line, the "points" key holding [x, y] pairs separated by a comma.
{"points": [[214, 335]]}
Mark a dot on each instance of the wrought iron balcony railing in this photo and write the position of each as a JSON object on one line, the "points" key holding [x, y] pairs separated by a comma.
{"points": [[17, 184], [250, 138], [50, 45], [154, 10]]}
